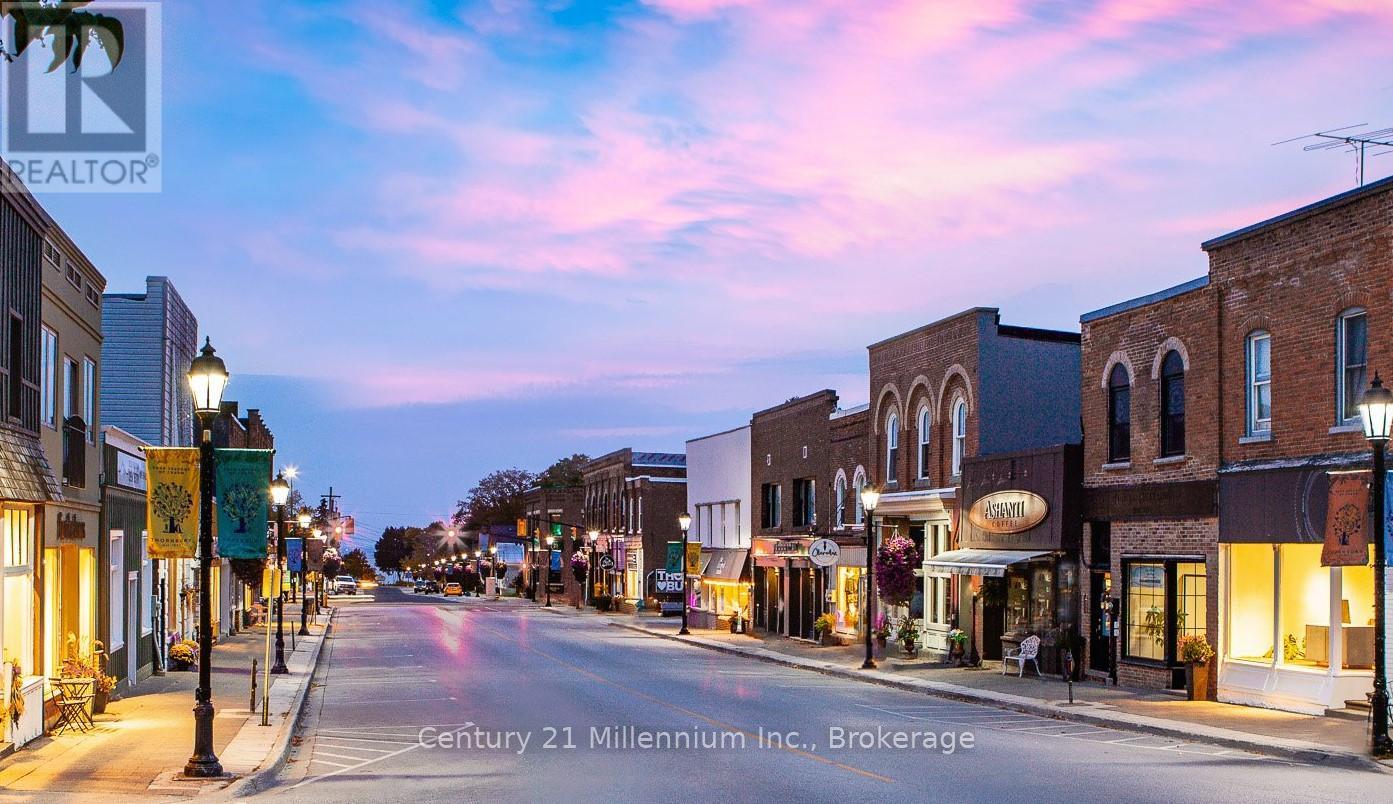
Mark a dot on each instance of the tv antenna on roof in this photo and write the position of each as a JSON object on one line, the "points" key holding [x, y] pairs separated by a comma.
{"points": [[1361, 143]]}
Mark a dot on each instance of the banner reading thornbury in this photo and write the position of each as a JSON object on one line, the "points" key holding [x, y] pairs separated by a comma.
{"points": [[1346, 520], [244, 495], [171, 509]]}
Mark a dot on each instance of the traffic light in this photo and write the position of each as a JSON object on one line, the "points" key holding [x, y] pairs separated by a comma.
{"points": [[556, 529]]}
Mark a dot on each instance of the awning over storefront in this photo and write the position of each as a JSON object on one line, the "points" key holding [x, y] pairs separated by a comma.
{"points": [[987, 563], [25, 475], [723, 564], [914, 504]]}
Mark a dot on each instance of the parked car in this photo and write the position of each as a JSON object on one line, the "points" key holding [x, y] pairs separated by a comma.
{"points": [[453, 588], [345, 585]]}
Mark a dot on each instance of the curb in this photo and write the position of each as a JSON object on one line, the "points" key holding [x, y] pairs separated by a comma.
{"points": [[1314, 753], [259, 779]]}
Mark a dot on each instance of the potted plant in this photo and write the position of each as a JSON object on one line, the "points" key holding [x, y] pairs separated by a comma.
{"points": [[183, 654], [1195, 651], [957, 646], [908, 636], [602, 602], [823, 626], [881, 633], [580, 567], [737, 622]]}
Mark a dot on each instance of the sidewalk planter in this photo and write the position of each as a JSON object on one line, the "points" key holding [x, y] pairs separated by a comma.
{"points": [[1197, 681]]}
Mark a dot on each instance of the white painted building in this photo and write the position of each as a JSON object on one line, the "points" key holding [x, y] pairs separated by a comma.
{"points": [[718, 500]]}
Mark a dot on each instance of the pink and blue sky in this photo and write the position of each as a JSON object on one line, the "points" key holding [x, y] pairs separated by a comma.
{"points": [[436, 238]]}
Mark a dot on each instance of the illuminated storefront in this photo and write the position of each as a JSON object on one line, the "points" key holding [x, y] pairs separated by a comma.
{"points": [[724, 589], [1296, 635], [69, 585]]}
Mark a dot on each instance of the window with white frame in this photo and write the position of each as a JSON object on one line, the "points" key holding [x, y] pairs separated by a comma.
{"points": [[925, 427], [858, 482], [118, 590], [936, 585], [89, 398], [959, 435], [1352, 359], [892, 448], [48, 377], [147, 587], [839, 491], [70, 389], [1259, 383]]}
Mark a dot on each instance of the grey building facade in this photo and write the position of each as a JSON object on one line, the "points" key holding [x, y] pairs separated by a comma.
{"points": [[149, 339]]}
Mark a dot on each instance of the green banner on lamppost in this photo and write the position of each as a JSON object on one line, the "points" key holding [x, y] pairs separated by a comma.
{"points": [[243, 489]]}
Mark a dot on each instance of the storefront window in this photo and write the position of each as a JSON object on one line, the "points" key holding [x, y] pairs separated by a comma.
{"points": [[1304, 606], [1357, 616], [1252, 588], [1017, 604], [1145, 632], [849, 580], [1041, 598], [1190, 598]]}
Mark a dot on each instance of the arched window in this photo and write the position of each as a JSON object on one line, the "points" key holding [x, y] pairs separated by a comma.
{"points": [[1352, 362], [839, 489], [1259, 383], [959, 435], [1172, 405], [925, 424], [857, 483], [892, 448], [1119, 415]]}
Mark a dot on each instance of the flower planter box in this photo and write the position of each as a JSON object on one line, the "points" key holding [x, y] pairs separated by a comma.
{"points": [[1197, 681]]}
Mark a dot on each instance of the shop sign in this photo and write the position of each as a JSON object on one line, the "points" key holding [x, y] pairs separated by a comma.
{"points": [[71, 527], [824, 552], [1346, 517], [667, 582], [1008, 511], [130, 470], [1148, 576], [607, 562], [790, 548]]}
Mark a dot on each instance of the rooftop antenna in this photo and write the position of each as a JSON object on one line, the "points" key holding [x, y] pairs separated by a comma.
{"points": [[1360, 143]]}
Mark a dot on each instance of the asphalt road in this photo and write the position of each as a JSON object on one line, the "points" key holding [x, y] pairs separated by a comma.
{"points": [[424, 699]]}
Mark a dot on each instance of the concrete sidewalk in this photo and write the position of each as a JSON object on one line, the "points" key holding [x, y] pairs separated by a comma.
{"points": [[141, 744], [1283, 734]]}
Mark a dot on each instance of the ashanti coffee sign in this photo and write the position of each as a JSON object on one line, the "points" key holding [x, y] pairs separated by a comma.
{"points": [[1008, 512]]}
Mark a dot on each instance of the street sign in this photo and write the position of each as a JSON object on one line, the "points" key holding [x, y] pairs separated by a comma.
{"points": [[607, 562], [824, 552]]}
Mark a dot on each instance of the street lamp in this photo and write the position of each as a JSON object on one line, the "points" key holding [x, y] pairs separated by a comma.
{"points": [[550, 541], [870, 497], [280, 493], [1376, 411], [684, 521], [207, 380], [304, 583]]}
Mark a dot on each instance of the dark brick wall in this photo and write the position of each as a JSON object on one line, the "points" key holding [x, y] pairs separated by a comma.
{"points": [[787, 442]]}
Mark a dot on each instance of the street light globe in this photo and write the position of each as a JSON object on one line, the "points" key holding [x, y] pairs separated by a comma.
{"points": [[594, 535], [684, 521], [493, 551], [304, 517], [478, 553], [207, 379], [870, 497], [551, 540], [280, 489], [1376, 411]]}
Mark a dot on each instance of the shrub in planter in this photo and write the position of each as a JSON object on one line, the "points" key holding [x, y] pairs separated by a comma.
{"points": [[183, 654], [1195, 651], [603, 602], [908, 635], [90, 667], [823, 626]]}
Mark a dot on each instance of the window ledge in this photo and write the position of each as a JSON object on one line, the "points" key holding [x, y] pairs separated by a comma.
{"points": [[1170, 459], [1256, 438], [1346, 428], [1119, 466]]}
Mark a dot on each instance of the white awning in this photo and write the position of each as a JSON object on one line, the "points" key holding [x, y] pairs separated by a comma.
{"points": [[987, 563]]}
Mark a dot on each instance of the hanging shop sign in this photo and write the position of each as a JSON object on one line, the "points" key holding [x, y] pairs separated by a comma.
{"points": [[71, 527], [1346, 521], [824, 552], [171, 475], [243, 488], [607, 562], [1008, 511]]}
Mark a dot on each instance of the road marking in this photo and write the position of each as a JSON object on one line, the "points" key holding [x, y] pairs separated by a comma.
{"points": [[321, 744], [384, 681], [352, 702], [329, 736], [327, 762], [318, 754]]}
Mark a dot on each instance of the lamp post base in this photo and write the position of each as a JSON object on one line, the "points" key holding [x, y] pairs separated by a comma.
{"points": [[869, 664], [204, 763]]}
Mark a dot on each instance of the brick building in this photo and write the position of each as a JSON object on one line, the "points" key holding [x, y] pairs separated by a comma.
{"points": [[632, 499], [799, 451], [1151, 532], [556, 512], [940, 394]]}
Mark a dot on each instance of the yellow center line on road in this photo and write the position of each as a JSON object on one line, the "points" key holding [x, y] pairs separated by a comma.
{"points": [[697, 715]]}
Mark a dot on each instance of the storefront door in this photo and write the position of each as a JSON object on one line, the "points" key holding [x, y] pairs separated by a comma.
{"points": [[1100, 593], [993, 617]]}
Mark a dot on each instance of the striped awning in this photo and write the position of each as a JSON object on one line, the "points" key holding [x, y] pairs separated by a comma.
{"points": [[986, 563]]}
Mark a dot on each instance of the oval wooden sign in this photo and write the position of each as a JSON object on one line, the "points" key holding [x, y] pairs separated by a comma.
{"points": [[1008, 511]]}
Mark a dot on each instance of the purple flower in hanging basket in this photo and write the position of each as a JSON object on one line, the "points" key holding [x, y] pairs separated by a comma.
{"points": [[895, 563], [580, 567]]}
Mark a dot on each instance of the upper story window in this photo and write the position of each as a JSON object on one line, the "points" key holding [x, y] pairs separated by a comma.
{"points": [[70, 388], [769, 505], [858, 483], [892, 448], [16, 376], [804, 502], [925, 423], [959, 435], [839, 491], [48, 377], [51, 254], [89, 398], [1172, 405], [1259, 383], [1119, 415], [1352, 362]]}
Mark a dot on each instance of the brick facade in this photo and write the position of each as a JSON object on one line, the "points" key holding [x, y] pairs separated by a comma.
{"points": [[634, 498], [788, 443], [543, 506]]}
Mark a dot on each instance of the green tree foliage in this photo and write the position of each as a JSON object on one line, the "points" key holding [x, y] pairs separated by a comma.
{"points": [[355, 563], [496, 500], [73, 30], [396, 547], [565, 473]]}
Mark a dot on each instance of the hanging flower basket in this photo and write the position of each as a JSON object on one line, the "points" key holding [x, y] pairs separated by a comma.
{"points": [[580, 567], [895, 563]]}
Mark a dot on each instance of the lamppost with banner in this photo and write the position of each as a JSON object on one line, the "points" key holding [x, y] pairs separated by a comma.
{"points": [[1376, 413], [684, 521], [870, 497], [280, 493], [207, 380], [550, 541]]}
